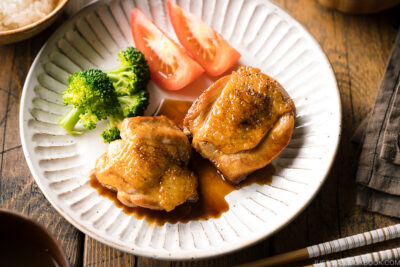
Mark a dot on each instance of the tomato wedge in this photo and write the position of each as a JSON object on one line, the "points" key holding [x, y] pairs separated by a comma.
{"points": [[170, 65], [205, 45]]}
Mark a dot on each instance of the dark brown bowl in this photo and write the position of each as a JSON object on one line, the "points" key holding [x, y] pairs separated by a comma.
{"points": [[25, 242], [359, 6]]}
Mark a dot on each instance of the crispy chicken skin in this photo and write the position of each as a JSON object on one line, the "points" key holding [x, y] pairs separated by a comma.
{"points": [[241, 122], [148, 166]]}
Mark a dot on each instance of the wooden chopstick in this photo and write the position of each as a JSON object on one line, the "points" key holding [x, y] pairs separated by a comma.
{"points": [[383, 257], [342, 244]]}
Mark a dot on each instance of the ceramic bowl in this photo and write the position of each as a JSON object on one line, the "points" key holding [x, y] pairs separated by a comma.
{"points": [[25, 232], [27, 31], [359, 7]]}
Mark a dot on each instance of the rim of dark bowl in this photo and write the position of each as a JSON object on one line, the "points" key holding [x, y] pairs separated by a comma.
{"points": [[55, 247]]}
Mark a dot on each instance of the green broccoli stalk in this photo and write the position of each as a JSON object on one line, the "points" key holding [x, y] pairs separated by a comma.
{"points": [[92, 95], [132, 75], [70, 119]]}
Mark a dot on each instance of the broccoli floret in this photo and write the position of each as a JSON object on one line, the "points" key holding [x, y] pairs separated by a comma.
{"points": [[134, 105], [92, 95], [131, 106], [132, 56], [97, 95], [111, 133], [132, 75]]}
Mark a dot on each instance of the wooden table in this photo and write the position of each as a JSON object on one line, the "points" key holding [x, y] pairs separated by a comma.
{"points": [[357, 47]]}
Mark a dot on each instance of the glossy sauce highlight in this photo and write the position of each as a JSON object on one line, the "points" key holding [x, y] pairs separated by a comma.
{"points": [[212, 186]]}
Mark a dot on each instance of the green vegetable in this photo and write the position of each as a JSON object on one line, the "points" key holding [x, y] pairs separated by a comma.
{"points": [[111, 133], [135, 104], [93, 98], [130, 81], [132, 75], [116, 94]]}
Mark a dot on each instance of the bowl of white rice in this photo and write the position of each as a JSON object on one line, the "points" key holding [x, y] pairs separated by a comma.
{"points": [[22, 19]]}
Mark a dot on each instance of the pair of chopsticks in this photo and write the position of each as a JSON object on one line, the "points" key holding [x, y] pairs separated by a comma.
{"points": [[386, 257]]}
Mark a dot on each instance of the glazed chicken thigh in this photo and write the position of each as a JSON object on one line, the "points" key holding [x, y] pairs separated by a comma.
{"points": [[241, 122], [148, 166]]}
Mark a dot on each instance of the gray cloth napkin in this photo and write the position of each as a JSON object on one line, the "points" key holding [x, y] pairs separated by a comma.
{"points": [[378, 173], [390, 150]]}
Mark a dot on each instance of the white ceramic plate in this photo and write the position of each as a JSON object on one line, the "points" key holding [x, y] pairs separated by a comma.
{"points": [[268, 38]]}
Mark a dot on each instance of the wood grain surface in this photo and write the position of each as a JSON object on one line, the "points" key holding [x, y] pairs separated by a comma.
{"points": [[357, 47]]}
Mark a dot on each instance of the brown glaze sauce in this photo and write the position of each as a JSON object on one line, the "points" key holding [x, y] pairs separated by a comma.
{"points": [[212, 187]]}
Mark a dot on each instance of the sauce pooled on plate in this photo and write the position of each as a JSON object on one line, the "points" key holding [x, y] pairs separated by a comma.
{"points": [[212, 186]]}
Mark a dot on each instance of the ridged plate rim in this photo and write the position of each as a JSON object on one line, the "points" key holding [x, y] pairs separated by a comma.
{"points": [[163, 254]]}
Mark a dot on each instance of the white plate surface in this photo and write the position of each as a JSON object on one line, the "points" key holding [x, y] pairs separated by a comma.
{"points": [[267, 38]]}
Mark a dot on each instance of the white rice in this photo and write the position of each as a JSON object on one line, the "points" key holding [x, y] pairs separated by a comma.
{"points": [[17, 13]]}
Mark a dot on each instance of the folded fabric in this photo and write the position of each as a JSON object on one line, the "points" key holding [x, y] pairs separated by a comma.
{"points": [[379, 202], [378, 173], [368, 198], [390, 150]]}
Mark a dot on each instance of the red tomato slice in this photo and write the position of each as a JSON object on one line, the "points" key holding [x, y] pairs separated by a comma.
{"points": [[205, 45], [170, 66]]}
